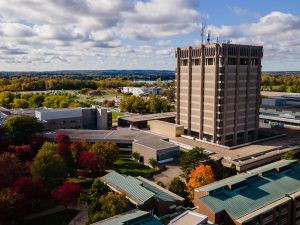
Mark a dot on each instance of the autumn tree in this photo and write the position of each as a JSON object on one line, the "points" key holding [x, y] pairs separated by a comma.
{"points": [[62, 138], [76, 148], [23, 152], [10, 169], [191, 159], [109, 150], [11, 207], [20, 129], [33, 191], [50, 167], [92, 161], [64, 151], [67, 194], [111, 204], [200, 176], [288, 155]]}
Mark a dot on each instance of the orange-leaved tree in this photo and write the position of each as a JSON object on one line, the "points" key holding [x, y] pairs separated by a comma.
{"points": [[198, 177]]}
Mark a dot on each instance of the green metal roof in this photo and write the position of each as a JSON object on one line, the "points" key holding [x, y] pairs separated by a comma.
{"points": [[128, 185], [258, 191], [160, 193], [134, 217]]}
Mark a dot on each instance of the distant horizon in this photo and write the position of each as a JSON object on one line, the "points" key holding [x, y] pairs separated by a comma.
{"points": [[96, 70]]}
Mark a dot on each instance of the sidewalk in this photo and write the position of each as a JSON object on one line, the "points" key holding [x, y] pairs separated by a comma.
{"points": [[45, 213]]}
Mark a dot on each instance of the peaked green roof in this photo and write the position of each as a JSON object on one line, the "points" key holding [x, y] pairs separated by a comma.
{"points": [[254, 192], [134, 217], [131, 186]]}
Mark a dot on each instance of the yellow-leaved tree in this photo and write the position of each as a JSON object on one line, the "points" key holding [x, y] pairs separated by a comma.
{"points": [[198, 177]]}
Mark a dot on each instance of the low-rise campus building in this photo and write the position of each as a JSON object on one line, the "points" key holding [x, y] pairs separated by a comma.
{"points": [[148, 145], [263, 196], [144, 194], [75, 118], [138, 91], [133, 217]]}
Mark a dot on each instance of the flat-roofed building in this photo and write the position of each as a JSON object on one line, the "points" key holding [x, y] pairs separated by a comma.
{"points": [[266, 195], [165, 128], [75, 118], [144, 194], [189, 218], [141, 121], [218, 92], [138, 91], [129, 140]]}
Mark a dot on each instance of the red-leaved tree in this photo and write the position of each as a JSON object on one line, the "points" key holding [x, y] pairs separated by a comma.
{"points": [[67, 194], [91, 161], [64, 151], [10, 169], [33, 191], [62, 138], [37, 142], [23, 152]]}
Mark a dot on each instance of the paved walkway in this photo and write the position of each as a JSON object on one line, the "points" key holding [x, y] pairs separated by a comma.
{"points": [[82, 216], [45, 213]]}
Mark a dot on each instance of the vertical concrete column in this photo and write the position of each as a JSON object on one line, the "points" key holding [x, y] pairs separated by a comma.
{"points": [[225, 55], [259, 67], [189, 88], [177, 85], [202, 61], [237, 79], [247, 95], [216, 57]]}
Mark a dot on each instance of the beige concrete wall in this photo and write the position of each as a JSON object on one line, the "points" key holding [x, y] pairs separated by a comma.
{"points": [[166, 128]]}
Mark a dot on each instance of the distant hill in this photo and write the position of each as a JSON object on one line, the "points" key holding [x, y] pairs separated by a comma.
{"points": [[282, 73]]}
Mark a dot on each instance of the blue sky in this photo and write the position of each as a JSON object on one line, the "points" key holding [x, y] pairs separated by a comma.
{"points": [[135, 34]]}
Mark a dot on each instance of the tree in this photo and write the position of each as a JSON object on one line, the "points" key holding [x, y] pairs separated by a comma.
{"points": [[33, 191], [92, 196], [111, 204], [198, 177], [49, 146], [91, 161], [11, 207], [153, 162], [109, 150], [50, 167], [136, 156], [288, 155], [23, 152], [62, 138], [64, 151], [67, 194], [178, 187], [76, 148], [10, 169], [189, 160], [20, 129], [160, 183]]}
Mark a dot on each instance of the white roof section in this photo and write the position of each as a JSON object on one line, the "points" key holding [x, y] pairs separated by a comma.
{"points": [[189, 218]]}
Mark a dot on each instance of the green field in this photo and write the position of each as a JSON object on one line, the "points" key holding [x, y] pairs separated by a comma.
{"points": [[129, 167], [116, 114], [60, 218]]}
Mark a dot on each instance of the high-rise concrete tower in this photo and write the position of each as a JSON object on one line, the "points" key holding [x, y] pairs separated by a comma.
{"points": [[218, 92]]}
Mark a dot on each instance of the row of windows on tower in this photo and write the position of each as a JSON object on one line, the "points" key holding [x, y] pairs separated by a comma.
{"points": [[211, 61], [255, 52]]}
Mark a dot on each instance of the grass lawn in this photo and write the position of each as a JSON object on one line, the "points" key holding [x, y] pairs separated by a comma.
{"points": [[116, 114], [129, 167], [61, 218]]}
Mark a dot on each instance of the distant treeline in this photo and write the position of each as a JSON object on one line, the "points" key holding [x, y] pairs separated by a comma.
{"points": [[98, 74], [37, 84], [289, 83]]}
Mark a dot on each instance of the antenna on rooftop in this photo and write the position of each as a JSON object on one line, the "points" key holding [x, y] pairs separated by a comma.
{"points": [[208, 37], [203, 27]]}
